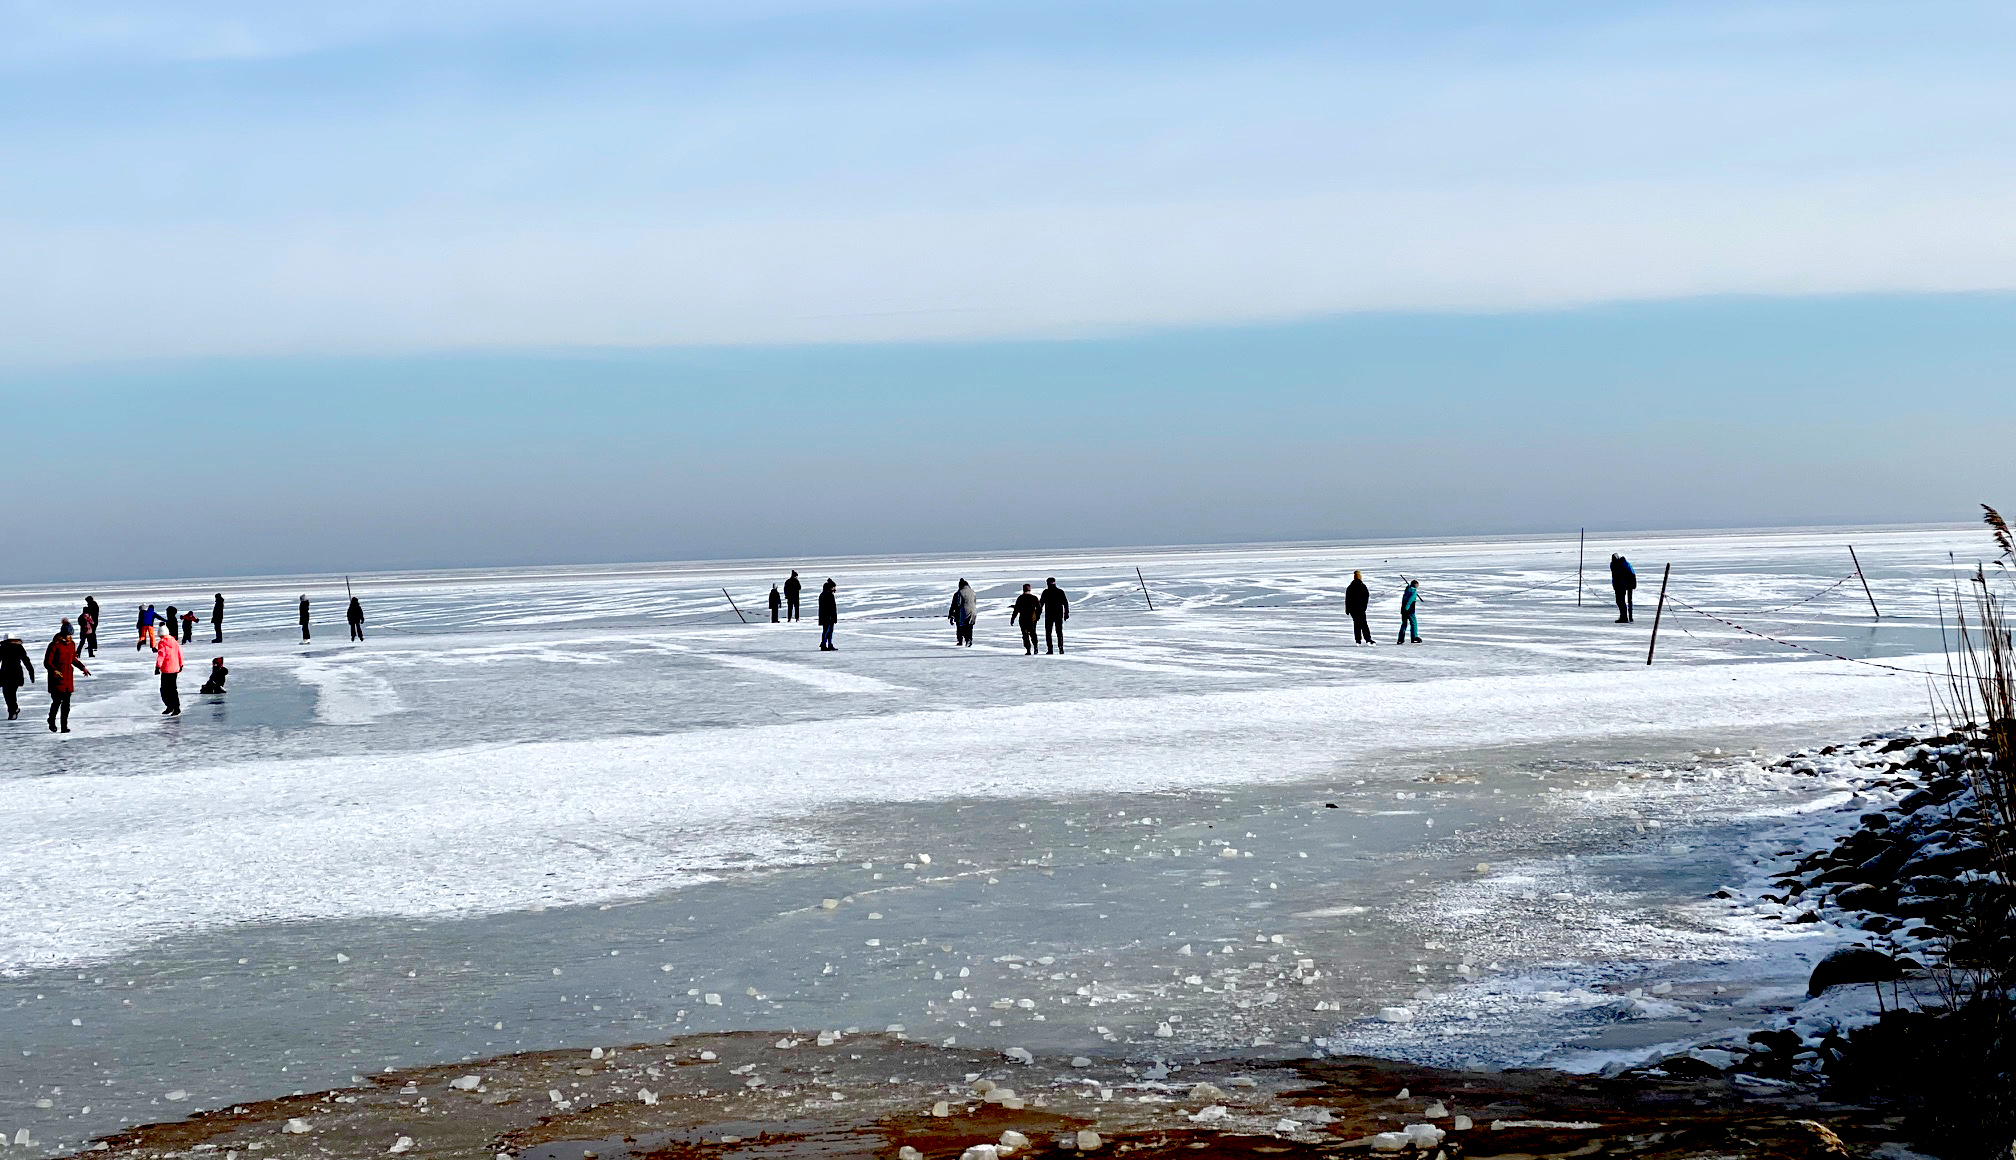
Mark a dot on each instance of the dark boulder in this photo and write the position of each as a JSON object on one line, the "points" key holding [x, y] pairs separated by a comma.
{"points": [[1852, 965]]}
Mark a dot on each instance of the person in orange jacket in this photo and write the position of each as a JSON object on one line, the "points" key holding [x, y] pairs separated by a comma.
{"points": [[168, 662], [60, 666]]}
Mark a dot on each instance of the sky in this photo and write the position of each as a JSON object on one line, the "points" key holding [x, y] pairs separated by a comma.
{"points": [[311, 287]]}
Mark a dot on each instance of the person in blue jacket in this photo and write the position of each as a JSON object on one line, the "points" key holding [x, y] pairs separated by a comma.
{"points": [[1624, 581], [1410, 599]]}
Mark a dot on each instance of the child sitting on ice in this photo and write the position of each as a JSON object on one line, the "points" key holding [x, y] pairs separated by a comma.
{"points": [[217, 674]]}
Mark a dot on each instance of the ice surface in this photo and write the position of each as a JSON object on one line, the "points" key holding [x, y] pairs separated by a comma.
{"points": [[521, 772]]}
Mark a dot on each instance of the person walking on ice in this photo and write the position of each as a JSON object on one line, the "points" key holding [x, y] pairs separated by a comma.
{"points": [[355, 616], [87, 627], [1024, 613], [168, 663], [964, 611], [1624, 581], [1056, 610], [217, 620], [304, 618], [829, 614], [60, 667], [1410, 625], [1357, 602], [189, 620], [146, 625], [792, 588], [776, 602], [14, 658]]}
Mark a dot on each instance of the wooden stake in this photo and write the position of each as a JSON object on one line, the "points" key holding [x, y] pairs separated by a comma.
{"points": [[731, 604], [1865, 582], [1580, 544], [1144, 589], [1659, 612]]}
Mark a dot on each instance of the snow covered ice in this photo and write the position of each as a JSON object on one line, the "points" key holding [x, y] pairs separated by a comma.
{"points": [[521, 772]]}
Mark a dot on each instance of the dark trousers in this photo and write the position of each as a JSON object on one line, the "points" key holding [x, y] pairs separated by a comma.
{"points": [[12, 693], [1409, 627], [91, 643], [1028, 636], [304, 630], [793, 614], [188, 630], [964, 631], [1624, 606], [217, 628], [1053, 634], [59, 703], [773, 614], [1361, 631], [356, 630], [170, 695], [825, 636]]}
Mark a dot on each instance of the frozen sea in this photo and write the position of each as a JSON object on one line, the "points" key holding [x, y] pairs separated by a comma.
{"points": [[565, 806]]}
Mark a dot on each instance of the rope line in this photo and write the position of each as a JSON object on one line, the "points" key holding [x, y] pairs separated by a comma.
{"points": [[1796, 603], [1672, 599]]}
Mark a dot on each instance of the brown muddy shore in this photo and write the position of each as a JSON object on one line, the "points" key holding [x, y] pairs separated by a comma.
{"points": [[766, 1095]]}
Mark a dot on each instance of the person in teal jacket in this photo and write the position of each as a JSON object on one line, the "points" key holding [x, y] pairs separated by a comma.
{"points": [[1410, 599]]}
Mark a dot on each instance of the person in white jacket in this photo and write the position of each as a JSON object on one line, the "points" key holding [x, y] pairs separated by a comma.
{"points": [[964, 612]]}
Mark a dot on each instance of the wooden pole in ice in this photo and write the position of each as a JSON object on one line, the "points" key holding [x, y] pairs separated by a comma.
{"points": [[1658, 612], [1144, 589], [1865, 582], [1581, 543], [731, 604]]}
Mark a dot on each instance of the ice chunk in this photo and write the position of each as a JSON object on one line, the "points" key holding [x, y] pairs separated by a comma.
{"points": [[711, 999], [924, 858], [1423, 1136], [554, 1095], [1019, 1055], [1208, 1114], [343, 958], [829, 903], [1460, 1123], [1088, 1140], [708, 1055], [1080, 1061], [1389, 1141], [1436, 1111], [402, 1144], [906, 1152], [177, 1095], [1013, 1141], [295, 1127], [1164, 1031], [1396, 1014], [980, 1152], [467, 1083], [941, 1109], [1228, 852], [647, 1096], [595, 1053]]}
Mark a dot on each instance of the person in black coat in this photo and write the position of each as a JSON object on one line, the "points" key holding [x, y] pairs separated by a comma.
{"points": [[791, 589], [1358, 602], [217, 620], [87, 631], [829, 614], [355, 616], [1624, 581], [304, 618], [217, 674], [776, 602], [1024, 613], [13, 659], [1056, 610]]}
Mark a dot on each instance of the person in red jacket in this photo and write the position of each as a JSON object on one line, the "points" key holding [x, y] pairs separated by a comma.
{"points": [[168, 662], [58, 662]]}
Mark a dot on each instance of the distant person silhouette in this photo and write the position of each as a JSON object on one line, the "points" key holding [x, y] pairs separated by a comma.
{"points": [[304, 618], [1024, 612], [87, 630], [1624, 582], [1056, 610], [829, 614], [355, 616], [1358, 602], [146, 625], [217, 620], [1410, 603], [776, 602], [189, 620], [13, 659], [791, 589]]}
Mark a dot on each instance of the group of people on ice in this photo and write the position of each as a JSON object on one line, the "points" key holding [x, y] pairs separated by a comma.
{"points": [[162, 633]]}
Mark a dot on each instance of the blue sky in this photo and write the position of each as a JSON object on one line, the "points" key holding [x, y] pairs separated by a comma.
{"points": [[458, 282]]}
